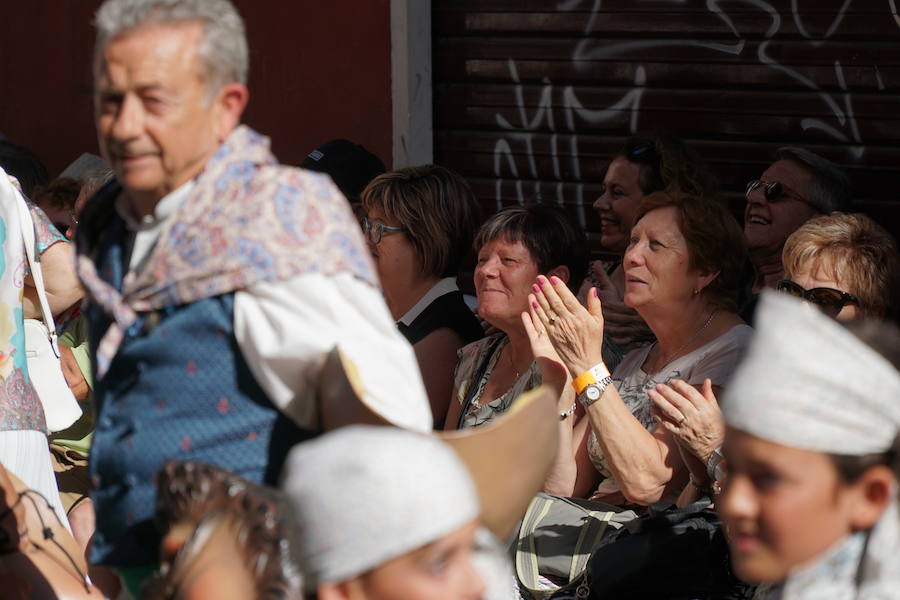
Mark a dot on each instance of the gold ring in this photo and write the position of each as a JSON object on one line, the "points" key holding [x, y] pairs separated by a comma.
{"points": [[552, 318]]}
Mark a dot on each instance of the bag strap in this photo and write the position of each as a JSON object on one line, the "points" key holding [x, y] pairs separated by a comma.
{"points": [[475, 382], [591, 533], [34, 263], [526, 553], [592, 529]]}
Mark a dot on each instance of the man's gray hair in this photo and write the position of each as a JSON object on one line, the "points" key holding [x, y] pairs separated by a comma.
{"points": [[224, 46], [832, 189]]}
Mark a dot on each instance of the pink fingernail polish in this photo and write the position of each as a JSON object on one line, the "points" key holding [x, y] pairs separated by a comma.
{"points": [[536, 288], [535, 304], [594, 292], [542, 279], [556, 280]]}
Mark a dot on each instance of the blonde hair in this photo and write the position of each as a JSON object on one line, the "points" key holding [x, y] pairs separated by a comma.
{"points": [[857, 250]]}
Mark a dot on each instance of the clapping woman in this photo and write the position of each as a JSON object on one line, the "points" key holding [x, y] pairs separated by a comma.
{"points": [[682, 269], [514, 246], [846, 265], [644, 165]]}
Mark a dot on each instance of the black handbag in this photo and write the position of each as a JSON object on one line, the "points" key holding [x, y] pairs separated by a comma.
{"points": [[669, 553]]}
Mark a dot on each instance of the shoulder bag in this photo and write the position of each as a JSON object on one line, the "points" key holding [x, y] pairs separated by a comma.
{"points": [[61, 409]]}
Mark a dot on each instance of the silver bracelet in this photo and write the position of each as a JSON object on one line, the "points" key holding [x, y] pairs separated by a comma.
{"points": [[565, 415]]}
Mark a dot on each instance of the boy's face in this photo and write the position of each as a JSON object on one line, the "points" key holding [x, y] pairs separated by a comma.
{"points": [[781, 506]]}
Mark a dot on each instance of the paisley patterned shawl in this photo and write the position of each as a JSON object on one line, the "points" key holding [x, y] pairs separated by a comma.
{"points": [[247, 220]]}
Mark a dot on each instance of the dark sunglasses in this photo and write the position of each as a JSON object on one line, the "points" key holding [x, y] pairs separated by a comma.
{"points": [[374, 230], [829, 300], [775, 191]]}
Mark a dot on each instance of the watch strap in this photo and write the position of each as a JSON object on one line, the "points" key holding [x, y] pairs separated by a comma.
{"points": [[592, 375]]}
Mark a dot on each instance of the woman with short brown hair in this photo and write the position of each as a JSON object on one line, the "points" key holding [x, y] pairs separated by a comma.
{"points": [[419, 224]]}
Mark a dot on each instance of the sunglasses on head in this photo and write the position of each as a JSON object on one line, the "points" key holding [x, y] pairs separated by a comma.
{"points": [[775, 191], [643, 152], [829, 300]]}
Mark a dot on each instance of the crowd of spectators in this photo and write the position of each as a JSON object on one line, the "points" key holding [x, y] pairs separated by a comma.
{"points": [[285, 393]]}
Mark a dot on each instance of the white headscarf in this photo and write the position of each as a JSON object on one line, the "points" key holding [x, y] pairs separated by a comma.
{"points": [[363, 495], [809, 383]]}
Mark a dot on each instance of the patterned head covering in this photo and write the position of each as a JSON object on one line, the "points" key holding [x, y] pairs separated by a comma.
{"points": [[363, 495], [808, 383]]}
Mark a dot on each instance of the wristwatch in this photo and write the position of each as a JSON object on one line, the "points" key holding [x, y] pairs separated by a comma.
{"points": [[592, 391]]}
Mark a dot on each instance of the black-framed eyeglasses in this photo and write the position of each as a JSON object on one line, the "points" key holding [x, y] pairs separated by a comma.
{"points": [[775, 191], [374, 230], [829, 300]]}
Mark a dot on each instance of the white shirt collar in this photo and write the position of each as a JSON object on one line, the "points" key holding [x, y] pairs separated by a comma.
{"points": [[163, 209], [444, 286]]}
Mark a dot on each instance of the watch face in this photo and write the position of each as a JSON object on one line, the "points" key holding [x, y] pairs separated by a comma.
{"points": [[592, 392]]}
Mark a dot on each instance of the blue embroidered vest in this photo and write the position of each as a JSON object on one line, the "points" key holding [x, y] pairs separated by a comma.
{"points": [[178, 388]]}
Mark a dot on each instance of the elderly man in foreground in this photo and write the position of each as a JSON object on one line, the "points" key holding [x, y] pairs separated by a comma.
{"points": [[218, 279]]}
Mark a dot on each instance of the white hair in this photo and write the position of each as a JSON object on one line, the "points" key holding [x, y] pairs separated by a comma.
{"points": [[224, 47]]}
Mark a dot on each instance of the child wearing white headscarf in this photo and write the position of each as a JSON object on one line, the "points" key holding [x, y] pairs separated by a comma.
{"points": [[810, 502], [383, 513]]}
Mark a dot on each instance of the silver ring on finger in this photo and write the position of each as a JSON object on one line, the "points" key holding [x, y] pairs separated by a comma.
{"points": [[552, 317], [682, 420]]}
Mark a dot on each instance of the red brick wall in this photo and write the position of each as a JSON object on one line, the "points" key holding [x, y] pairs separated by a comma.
{"points": [[317, 71]]}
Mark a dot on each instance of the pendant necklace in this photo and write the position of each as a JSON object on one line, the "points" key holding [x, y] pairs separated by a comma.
{"points": [[669, 357], [511, 363]]}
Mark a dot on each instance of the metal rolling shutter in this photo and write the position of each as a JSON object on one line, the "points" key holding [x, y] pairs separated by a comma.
{"points": [[532, 98]]}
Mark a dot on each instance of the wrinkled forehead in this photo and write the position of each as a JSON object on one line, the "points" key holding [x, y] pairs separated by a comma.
{"points": [[153, 47], [663, 222]]}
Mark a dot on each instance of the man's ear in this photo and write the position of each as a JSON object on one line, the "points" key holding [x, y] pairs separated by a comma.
{"points": [[872, 494], [562, 271], [230, 102]]}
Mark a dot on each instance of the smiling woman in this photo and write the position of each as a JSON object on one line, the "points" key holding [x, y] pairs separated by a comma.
{"points": [[513, 246], [645, 165]]}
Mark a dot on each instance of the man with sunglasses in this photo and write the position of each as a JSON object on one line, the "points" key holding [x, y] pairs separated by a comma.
{"points": [[798, 186]]}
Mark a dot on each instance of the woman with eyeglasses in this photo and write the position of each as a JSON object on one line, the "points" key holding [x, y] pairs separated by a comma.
{"points": [[845, 264], [644, 165], [419, 223]]}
